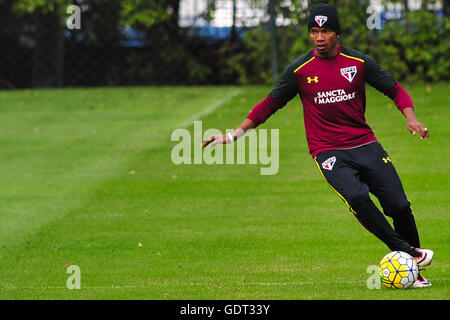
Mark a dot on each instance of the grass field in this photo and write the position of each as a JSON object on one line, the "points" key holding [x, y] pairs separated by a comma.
{"points": [[87, 180]]}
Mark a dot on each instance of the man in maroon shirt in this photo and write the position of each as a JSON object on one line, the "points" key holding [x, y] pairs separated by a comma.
{"points": [[330, 80]]}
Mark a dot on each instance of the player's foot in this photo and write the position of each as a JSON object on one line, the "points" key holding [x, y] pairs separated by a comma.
{"points": [[425, 257], [421, 282]]}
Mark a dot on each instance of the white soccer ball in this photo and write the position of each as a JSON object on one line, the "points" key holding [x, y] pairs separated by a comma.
{"points": [[398, 270]]}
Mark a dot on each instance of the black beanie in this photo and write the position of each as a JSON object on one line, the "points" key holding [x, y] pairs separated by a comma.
{"points": [[324, 16]]}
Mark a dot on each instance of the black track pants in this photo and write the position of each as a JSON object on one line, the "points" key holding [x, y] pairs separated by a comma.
{"points": [[353, 173]]}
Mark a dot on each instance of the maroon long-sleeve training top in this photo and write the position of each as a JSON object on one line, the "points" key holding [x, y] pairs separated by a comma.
{"points": [[333, 95]]}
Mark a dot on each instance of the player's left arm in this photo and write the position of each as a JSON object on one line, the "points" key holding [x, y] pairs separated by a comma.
{"points": [[384, 82]]}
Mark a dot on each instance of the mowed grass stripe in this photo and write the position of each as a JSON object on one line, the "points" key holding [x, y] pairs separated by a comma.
{"points": [[36, 237], [57, 145], [220, 232]]}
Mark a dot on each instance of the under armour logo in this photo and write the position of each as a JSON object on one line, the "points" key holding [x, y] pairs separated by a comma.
{"points": [[386, 160], [315, 79]]}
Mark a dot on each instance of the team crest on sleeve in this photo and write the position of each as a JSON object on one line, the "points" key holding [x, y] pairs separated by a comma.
{"points": [[329, 163], [321, 20], [349, 73]]}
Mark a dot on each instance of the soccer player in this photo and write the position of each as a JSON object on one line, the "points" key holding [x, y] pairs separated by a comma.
{"points": [[330, 80]]}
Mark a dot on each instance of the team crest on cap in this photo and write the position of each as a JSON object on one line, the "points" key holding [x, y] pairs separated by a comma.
{"points": [[349, 73], [329, 163], [321, 20]]}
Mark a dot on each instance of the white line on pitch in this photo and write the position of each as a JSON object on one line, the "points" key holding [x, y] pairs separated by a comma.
{"points": [[209, 109]]}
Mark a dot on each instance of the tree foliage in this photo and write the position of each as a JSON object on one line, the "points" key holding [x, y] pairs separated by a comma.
{"points": [[416, 47], [413, 47]]}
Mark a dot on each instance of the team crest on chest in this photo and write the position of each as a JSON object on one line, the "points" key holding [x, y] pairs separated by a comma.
{"points": [[349, 73], [321, 20]]}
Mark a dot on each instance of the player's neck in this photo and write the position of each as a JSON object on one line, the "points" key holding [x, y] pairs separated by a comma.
{"points": [[328, 54]]}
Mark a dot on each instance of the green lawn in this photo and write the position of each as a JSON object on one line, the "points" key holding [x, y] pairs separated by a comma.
{"points": [[87, 179]]}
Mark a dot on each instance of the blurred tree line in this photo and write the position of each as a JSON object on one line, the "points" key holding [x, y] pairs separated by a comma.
{"points": [[38, 50], [414, 47]]}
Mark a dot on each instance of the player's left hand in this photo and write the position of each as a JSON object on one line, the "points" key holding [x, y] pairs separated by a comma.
{"points": [[415, 127]]}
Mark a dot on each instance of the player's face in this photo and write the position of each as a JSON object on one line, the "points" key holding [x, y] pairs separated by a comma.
{"points": [[324, 41]]}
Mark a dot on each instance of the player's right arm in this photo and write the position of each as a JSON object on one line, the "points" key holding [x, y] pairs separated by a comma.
{"points": [[275, 100], [246, 125]]}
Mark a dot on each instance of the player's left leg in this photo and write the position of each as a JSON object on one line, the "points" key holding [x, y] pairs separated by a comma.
{"points": [[382, 178], [383, 181]]}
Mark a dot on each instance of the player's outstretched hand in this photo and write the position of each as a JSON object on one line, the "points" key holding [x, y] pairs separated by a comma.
{"points": [[214, 140], [415, 127]]}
